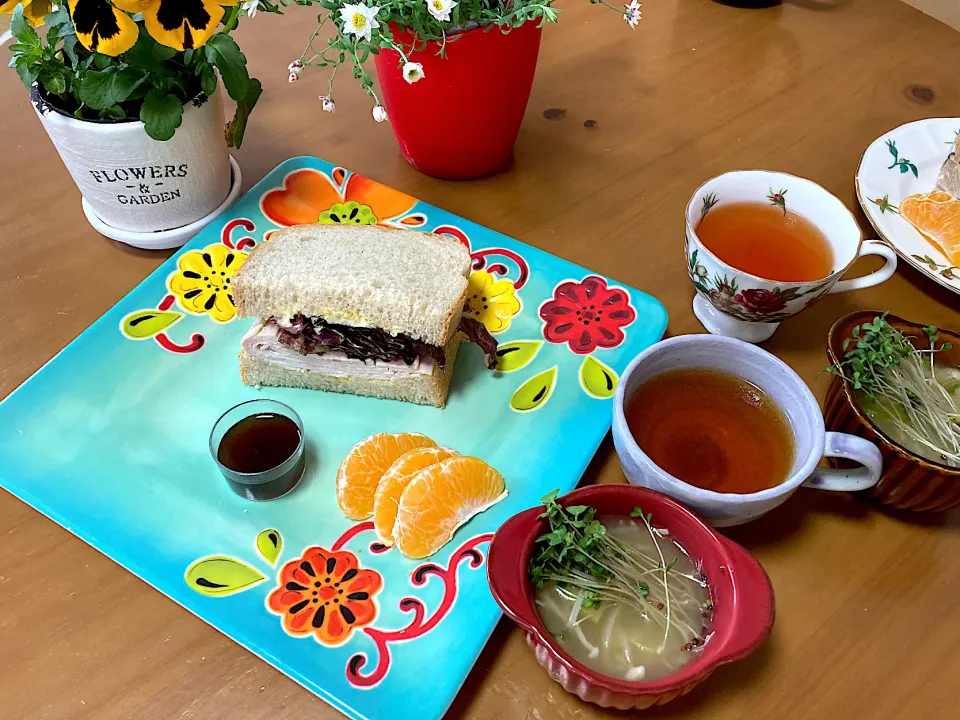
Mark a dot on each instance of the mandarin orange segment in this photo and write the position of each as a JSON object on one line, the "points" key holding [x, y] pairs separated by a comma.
{"points": [[365, 464], [440, 499], [386, 500], [937, 216]]}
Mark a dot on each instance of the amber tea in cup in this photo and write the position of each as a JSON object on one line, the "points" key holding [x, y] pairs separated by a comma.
{"points": [[767, 240], [712, 430], [764, 246]]}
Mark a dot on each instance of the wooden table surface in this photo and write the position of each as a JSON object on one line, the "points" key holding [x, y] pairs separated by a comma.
{"points": [[867, 615]]}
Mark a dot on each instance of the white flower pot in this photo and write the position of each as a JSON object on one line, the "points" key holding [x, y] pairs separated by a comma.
{"points": [[137, 184]]}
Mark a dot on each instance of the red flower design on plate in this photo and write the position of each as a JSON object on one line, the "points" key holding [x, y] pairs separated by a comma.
{"points": [[587, 315], [327, 594], [761, 301]]}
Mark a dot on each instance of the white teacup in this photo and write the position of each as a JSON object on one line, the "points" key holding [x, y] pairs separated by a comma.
{"points": [[737, 304], [784, 387]]}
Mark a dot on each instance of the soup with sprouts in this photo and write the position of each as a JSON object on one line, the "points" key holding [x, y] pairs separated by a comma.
{"points": [[620, 596]]}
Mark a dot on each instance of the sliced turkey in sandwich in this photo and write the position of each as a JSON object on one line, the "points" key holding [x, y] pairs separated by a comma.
{"points": [[363, 309]]}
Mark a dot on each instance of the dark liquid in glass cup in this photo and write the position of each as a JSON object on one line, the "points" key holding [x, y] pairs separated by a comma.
{"points": [[258, 446]]}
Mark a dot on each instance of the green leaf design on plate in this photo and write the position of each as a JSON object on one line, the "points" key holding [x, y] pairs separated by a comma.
{"points": [[221, 575], [144, 324], [270, 545], [517, 354], [535, 392], [597, 379]]}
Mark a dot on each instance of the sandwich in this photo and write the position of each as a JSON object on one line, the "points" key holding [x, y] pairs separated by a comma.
{"points": [[359, 309], [949, 178]]}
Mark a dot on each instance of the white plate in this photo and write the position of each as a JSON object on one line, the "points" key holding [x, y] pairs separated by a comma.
{"points": [[921, 147]]}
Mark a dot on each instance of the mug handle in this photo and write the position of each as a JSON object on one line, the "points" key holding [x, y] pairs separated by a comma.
{"points": [[850, 447], [870, 247]]}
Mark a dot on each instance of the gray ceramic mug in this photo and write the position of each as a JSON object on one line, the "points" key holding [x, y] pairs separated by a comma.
{"points": [[788, 392]]}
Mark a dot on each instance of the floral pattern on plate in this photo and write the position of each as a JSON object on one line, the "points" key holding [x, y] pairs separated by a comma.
{"points": [[904, 162]]}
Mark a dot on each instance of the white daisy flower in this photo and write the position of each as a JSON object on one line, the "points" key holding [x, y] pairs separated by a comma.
{"points": [[412, 72], [359, 20], [379, 113], [251, 6], [328, 104], [632, 13], [440, 9]]}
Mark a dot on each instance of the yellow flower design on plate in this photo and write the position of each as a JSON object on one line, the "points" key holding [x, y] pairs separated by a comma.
{"points": [[202, 283], [492, 300]]}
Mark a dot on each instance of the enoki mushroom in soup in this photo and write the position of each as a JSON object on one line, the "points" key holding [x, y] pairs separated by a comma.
{"points": [[619, 595]]}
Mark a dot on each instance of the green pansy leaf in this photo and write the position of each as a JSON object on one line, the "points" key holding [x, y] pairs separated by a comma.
{"points": [[208, 80], [21, 29], [598, 380], [223, 51], [95, 89], [517, 354], [161, 114], [52, 80], [236, 127], [535, 392], [270, 545], [144, 324], [221, 575]]}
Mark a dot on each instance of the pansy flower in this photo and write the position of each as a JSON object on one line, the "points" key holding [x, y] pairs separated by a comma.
{"points": [[103, 28], [325, 594], [33, 10], [182, 24], [587, 315]]}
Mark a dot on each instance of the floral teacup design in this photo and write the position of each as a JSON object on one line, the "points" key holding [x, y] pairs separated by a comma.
{"points": [[737, 304]]}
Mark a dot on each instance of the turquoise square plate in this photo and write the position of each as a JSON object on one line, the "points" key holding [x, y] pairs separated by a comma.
{"points": [[110, 440]]}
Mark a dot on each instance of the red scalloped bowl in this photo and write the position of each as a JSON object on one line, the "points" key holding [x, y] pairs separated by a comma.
{"points": [[743, 605]]}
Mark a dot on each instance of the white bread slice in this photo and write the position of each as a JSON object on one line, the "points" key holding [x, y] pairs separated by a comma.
{"points": [[420, 389], [401, 281]]}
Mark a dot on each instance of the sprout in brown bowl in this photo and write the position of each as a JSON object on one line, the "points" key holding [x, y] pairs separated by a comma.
{"points": [[897, 383]]}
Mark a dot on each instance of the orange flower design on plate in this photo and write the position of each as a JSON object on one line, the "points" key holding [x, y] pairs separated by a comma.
{"points": [[310, 196], [326, 594]]}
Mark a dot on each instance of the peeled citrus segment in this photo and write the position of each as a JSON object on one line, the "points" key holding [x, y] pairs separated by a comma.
{"points": [[365, 464], [937, 216], [442, 498], [386, 500]]}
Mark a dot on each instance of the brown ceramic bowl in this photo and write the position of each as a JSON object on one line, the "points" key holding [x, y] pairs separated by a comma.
{"points": [[908, 482]]}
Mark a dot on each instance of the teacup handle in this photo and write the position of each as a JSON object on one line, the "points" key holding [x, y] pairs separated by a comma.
{"points": [[871, 247], [849, 447]]}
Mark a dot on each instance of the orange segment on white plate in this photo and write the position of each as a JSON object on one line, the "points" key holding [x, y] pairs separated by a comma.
{"points": [[386, 500], [937, 216], [442, 498], [365, 464]]}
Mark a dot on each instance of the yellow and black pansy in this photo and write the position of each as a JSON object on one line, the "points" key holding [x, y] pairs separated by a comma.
{"points": [[33, 10], [103, 28], [183, 24]]}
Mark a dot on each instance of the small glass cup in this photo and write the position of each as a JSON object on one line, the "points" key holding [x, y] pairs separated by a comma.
{"points": [[267, 484]]}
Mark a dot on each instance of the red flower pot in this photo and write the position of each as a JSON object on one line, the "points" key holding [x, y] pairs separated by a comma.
{"points": [[462, 119]]}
